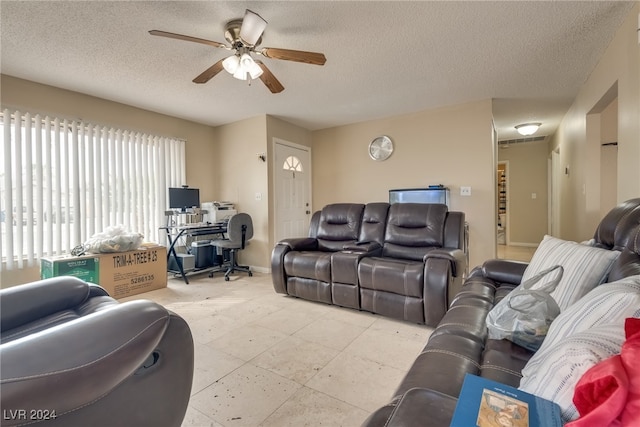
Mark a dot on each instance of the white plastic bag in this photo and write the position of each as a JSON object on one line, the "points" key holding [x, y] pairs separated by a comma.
{"points": [[524, 315], [113, 239]]}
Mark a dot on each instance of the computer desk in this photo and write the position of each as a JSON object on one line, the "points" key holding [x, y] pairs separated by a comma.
{"points": [[175, 232]]}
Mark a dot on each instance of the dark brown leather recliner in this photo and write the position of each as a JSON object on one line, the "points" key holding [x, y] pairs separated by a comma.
{"points": [[427, 395], [70, 355], [302, 266], [420, 266]]}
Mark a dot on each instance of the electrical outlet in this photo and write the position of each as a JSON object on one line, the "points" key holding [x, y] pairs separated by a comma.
{"points": [[465, 191], [258, 196]]}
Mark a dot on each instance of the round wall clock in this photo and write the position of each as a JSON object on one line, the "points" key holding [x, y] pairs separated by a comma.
{"points": [[381, 148]]}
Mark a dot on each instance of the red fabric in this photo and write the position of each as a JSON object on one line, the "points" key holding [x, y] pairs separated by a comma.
{"points": [[608, 394]]}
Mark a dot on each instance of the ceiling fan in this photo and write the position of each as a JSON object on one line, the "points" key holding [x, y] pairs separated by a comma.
{"points": [[244, 36]]}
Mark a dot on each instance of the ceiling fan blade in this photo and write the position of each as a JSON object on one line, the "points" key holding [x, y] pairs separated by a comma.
{"points": [[253, 26], [269, 79], [294, 55], [187, 38], [209, 73]]}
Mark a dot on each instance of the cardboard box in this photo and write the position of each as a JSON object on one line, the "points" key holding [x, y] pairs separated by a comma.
{"points": [[121, 274], [86, 268]]}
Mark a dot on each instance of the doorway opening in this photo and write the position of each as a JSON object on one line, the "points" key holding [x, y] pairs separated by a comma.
{"points": [[502, 208]]}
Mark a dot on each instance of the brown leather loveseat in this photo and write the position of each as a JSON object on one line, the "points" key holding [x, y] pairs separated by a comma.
{"points": [[428, 394], [404, 260]]}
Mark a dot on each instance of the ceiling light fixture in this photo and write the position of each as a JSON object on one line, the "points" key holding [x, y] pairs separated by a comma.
{"points": [[528, 128], [242, 65]]}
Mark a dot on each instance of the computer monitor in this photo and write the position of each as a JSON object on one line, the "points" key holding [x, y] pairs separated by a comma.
{"points": [[184, 198]]}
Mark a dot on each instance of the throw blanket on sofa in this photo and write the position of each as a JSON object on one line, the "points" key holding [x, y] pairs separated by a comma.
{"points": [[608, 394]]}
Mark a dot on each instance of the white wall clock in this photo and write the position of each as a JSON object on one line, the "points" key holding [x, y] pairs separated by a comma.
{"points": [[381, 148]]}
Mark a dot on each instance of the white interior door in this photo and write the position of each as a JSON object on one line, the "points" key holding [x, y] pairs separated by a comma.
{"points": [[292, 168]]}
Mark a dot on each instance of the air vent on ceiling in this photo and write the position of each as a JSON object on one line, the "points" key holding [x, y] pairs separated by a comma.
{"points": [[521, 140]]}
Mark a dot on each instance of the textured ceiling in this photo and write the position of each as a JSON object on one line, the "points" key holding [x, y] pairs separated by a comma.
{"points": [[383, 58]]}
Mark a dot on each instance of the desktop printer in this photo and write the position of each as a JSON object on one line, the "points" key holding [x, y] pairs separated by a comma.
{"points": [[217, 211]]}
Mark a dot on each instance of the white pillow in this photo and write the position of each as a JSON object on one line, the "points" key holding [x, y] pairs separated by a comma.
{"points": [[585, 267], [556, 376], [587, 332], [610, 303]]}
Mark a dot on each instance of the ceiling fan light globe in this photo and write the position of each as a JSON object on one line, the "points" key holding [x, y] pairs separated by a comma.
{"points": [[231, 64], [252, 28], [254, 70], [241, 73], [246, 60]]}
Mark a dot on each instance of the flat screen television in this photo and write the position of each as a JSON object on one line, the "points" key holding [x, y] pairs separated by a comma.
{"points": [[184, 198], [420, 195]]}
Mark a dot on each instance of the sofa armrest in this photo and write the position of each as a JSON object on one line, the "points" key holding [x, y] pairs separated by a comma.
{"points": [[457, 258], [417, 407], [300, 243], [373, 248], [504, 271], [71, 365], [438, 278]]}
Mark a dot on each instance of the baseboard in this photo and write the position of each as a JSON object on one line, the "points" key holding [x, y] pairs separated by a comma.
{"points": [[525, 245], [264, 270]]}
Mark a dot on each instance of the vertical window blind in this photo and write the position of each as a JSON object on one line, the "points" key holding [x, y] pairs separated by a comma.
{"points": [[62, 181]]}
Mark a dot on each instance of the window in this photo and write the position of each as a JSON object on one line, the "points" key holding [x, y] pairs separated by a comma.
{"points": [[293, 164], [62, 181]]}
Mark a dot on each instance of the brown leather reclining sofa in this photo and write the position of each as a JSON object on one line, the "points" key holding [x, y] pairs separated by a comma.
{"points": [[427, 396], [404, 260]]}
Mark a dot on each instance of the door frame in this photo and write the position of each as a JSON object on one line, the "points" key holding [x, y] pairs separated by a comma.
{"points": [[274, 176]]}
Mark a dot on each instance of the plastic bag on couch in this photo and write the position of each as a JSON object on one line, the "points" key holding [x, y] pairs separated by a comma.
{"points": [[524, 315], [113, 239]]}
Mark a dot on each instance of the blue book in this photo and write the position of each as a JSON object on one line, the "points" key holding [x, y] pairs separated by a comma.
{"points": [[487, 403]]}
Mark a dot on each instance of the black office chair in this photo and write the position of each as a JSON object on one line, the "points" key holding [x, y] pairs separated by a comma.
{"points": [[239, 232]]}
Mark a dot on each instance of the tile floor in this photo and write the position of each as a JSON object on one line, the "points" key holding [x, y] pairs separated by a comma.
{"points": [[519, 253], [266, 359]]}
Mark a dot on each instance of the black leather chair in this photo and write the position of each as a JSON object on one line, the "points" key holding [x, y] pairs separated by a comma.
{"points": [[239, 232], [70, 355]]}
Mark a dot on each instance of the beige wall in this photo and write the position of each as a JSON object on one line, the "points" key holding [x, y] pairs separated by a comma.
{"points": [[37, 98], [241, 175], [452, 146], [527, 174], [608, 158], [618, 68]]}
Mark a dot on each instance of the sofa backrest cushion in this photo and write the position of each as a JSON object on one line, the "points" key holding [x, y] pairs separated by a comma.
{"points": [[339, 224], [374, 222], [615, 228], [413, 229], [628, 263]]}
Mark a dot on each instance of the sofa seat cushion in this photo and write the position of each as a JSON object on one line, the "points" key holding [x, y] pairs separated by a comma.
{"points": [[397, 276], [466, 321], [442, 365], [310, 265], [422, 407]]}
